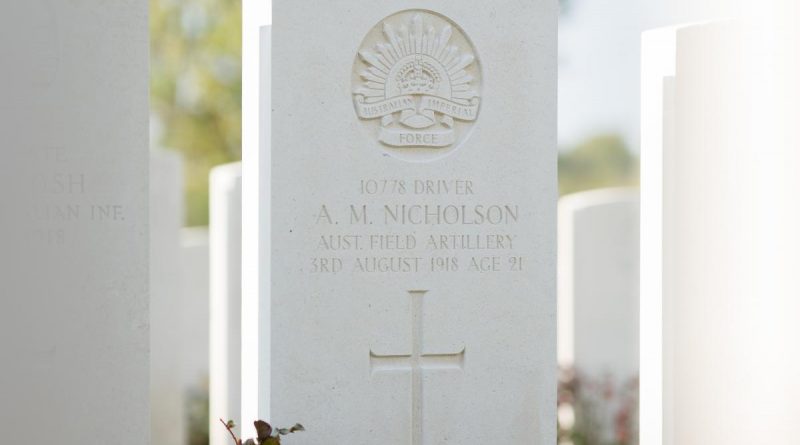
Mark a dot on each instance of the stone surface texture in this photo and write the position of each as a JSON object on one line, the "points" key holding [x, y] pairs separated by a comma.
{"points": [[413, 224]]}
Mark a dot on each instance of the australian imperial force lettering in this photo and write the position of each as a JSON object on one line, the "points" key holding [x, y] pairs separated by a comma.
{"points": [[417, 76]]}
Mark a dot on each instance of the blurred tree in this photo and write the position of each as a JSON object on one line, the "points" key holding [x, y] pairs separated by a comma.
{"points": [[602, 161], [565, 5], [196, 88]]}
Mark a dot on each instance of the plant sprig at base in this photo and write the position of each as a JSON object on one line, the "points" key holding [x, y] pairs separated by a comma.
{"points": [[266, 434]]}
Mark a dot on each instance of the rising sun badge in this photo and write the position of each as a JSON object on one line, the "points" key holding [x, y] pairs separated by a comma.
{"points": [[416, 84]]}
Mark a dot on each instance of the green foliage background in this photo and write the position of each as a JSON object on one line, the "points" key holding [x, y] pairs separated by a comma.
{"points": [[196, 88], [600, 161]]}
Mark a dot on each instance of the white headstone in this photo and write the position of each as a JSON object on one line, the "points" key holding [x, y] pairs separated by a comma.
{"points": [[413, 221], [599, 281], [225, 384], [194, 327], [195, 318], [256, 14], [722, 156], [74, 326], [256, 253], [658, 72], [166, 219], [599, 297]]}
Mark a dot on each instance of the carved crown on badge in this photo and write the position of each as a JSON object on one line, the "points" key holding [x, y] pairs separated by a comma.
{"points": [[417, 81]]}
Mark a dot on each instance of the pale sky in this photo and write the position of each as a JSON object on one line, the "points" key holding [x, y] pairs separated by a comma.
{"points": [[599, 46]]}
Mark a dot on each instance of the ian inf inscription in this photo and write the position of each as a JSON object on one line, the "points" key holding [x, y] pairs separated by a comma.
{"points": [[416, 84]]}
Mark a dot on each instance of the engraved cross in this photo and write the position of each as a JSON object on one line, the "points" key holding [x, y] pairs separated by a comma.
{"points": [[417, 362]]}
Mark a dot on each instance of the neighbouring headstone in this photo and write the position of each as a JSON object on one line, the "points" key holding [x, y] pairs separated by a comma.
{"points": [[413, 221], [599, 306], [720, 213], [256, 273], [195, 326], [658, 76], [179, 272], [225, 384], [166, 219], [74, 326], [256, 14]]}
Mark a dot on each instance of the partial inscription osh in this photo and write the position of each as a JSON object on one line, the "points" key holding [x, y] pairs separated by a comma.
{"points": [[416, 84]]}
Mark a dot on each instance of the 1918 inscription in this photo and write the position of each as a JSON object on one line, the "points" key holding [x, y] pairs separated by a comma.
{"points": [[380, 237]]}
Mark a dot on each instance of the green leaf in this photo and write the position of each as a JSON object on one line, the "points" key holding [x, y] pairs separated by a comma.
{"points": [[296, 427]]}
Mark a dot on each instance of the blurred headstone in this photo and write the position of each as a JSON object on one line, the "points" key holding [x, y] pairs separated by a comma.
{"points": [[195, 272], [256, 241], [658, 76], [225, 229], [194, 327], [599, 306], [720, 213], [166, 219], [74, 326]]}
